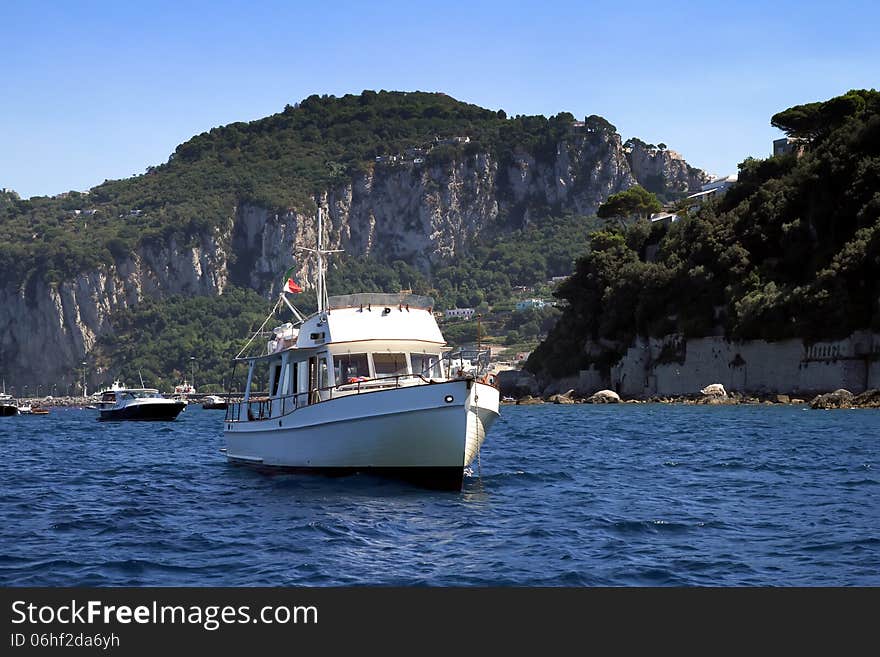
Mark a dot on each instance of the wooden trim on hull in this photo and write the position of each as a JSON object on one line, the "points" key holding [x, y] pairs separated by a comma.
{"points": [[431, 477]]}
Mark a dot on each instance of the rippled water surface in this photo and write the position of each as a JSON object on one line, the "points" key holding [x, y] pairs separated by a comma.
{"points": [[565, 495]]}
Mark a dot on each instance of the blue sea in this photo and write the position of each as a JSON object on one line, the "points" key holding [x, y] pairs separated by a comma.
{"points": [[616, 495]]}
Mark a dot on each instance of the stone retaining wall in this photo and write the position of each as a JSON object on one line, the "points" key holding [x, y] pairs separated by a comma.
{"points": [[675, 366]]}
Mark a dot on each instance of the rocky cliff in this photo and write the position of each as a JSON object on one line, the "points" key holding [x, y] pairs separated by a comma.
{"points": [[428, 213], [422, 210], [46, 331], [661, 170]]}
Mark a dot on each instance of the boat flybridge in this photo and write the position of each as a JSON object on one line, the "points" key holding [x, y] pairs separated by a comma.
{"points": [[365, 384]]}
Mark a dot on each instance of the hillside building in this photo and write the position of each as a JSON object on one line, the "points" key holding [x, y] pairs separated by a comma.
{"points": [[530, 303], [460, 313]]}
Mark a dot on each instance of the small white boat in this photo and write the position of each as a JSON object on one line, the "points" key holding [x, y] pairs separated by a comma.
{"points": [[214, 402], [98, 396], [364, 384], [184, 389]]}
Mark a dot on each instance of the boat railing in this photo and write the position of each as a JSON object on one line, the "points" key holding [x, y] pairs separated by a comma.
{"points": [[379, 299], [272, 408], [463, 362]]}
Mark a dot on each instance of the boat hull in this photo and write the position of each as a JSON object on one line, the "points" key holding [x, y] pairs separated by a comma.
{"points": [[7, 410], [426, 434], [143, 412]]}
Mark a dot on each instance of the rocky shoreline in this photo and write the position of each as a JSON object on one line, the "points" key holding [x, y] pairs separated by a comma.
{"points": [[832, 400], [85, 402], [54, 402], [837, 399]]}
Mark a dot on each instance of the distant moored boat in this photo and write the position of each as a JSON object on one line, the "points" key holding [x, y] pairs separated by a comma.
{"points": [[138, 404], [214, 402], [8, 407]]}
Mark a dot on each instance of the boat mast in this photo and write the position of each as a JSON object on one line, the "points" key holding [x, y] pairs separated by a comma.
{"points": [[322, 281], [320, 252]]}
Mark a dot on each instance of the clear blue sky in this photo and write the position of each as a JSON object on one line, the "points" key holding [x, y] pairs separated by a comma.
{"points": [[95, 90]]}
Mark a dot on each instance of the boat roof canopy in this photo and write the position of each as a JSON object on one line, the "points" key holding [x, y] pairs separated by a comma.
{"points": [[381, 299]]}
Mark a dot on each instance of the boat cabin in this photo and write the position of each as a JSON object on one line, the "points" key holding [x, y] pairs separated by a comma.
{"points": [[126, 394], [361, 343]]}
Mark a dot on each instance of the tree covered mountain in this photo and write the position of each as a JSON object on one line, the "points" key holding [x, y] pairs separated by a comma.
{"points": [[421, 191], [281, 161], [791, 250]]}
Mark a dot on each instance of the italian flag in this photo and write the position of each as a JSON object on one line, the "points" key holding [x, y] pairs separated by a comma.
{"points": [[290, 285]]}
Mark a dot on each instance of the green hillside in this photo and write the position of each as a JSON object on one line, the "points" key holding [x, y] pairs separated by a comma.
{"points": [[279, 161], [791, 250]]}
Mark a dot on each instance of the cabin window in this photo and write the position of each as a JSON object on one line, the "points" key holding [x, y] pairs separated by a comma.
{"points": [[323, 373], [276, 378], [313, 380], [293, 369], [351, 368], [428, 365], [388, 364]]}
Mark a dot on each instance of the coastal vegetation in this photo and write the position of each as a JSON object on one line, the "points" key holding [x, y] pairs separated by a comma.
{"points": [[791, 250], [156, 339], [635, 202]]}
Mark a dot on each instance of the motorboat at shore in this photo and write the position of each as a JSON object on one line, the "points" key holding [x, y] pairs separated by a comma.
{"points": [[96, 397], [137, 404], [363, 385], [8, 407], [185, 388], [214, 402]]}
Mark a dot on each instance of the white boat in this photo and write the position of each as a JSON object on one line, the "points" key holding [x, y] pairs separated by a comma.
{"points": [[185, 388], [137, 404], [8, 407], [214, 402], [98, 396], [183, 391], [364, 385]]}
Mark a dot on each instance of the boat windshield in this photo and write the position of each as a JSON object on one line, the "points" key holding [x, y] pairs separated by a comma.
{"points": [[388, 364], [142, 394], [427, 365], [351, 367]]}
